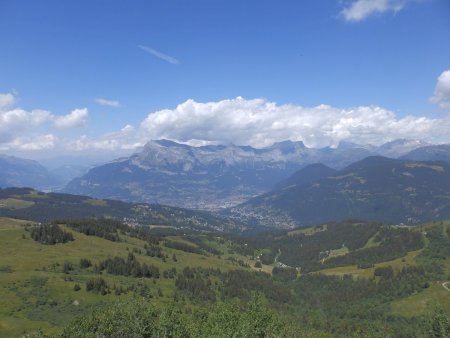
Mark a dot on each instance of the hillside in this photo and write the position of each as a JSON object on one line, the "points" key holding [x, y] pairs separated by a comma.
{"points": [[376, 188], [305, 176], [194, 277], [25, 203], [19, 172]]}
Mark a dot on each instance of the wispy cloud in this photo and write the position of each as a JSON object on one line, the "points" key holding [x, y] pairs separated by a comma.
{"points": [[160, 55], [359, 10], [105, 102]]}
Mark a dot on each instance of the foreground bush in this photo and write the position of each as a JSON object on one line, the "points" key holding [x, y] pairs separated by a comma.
{"points": [[139, 318]]}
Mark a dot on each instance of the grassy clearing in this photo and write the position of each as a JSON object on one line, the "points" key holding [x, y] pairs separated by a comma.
{"points": [[13, 203], [337, 252], [96, 202], [308, 231], [424, 302], [353, 270], [371, 242]]}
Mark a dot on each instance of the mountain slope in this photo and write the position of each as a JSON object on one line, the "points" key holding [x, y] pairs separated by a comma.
{"points": [[208, 177], [37, 206], [429, 153], [376, 188], [18, 172], [305, 176]]}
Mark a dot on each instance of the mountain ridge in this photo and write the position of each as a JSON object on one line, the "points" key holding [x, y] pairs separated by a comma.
{"points": [[375, 188]]}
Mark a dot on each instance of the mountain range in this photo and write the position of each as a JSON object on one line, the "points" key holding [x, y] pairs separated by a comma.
{"points": [[375, 188], [215, 176], [210, 177]]}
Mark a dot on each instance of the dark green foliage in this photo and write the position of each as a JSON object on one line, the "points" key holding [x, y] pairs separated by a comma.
{"points": [[155, 251], [386, 272], [103, 228], [439, 325], [195, 284], [258, 265], [284, 273], [139, 318], [97, 285], [170, 274], [202, 245], [393, 243], [267, 258], [310, 252], [85, 263], [50, 234], [128, 267], [67, 267], [240, 284], [439, 244], [76, 287]]}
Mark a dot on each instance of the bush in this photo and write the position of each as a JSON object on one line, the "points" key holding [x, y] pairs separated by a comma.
{"points": [[50, 234], [85, 263]]}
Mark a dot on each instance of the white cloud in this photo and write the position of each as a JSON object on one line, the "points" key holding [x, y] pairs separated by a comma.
{"points": [[77, 118], [41, 142], [441, 95], [124, 139], [6, 101], [259, 123], [160, 55], [361, 9], [16, 121], [105, 102]]}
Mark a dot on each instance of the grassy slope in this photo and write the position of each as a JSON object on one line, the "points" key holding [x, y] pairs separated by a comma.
{"points": [[34, 293], [424, 302]]}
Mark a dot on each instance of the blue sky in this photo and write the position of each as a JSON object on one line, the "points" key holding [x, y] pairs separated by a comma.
{"points": [[175, 68]]}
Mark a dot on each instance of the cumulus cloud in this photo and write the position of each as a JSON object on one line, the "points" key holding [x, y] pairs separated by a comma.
{"points": [[77, 118], [361, 9], [40, 142], [160, 55], [21, 129], [6, 101], [16, 121], [109, 103], [441, 95], [259, 123], [124, 139]]}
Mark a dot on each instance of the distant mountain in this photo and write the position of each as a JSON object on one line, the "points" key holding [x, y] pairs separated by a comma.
{"points": [[375, 188], [430, 153], [399, 147], [207, 177], [305, 176], [19, 172]]}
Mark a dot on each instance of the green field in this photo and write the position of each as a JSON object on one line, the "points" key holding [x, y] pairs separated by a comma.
{"points": [[436, 296], [35, 293], [14, 203]]}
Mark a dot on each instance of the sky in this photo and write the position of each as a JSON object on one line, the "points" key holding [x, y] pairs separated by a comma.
{"points": [[96, 76]]}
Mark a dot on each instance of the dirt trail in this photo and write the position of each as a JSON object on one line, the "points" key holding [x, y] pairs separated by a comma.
{"points": [[445, 286]]}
